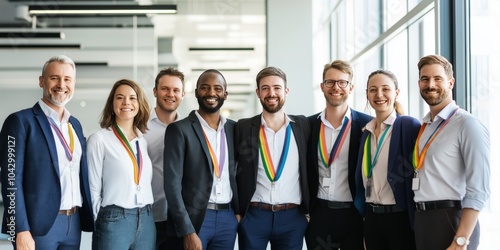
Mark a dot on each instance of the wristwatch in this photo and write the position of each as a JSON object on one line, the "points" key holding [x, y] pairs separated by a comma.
{"points": [[461, 241]]}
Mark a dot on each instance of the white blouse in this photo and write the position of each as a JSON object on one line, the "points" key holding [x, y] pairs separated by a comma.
{"points": [[111, 172]]}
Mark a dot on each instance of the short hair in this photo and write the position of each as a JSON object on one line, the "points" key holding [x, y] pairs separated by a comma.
{"points": [[270, 71], [397, 105], [140, 120], [436, 59], [171, 71], [61, 59], [339, 65], [211, 71]]}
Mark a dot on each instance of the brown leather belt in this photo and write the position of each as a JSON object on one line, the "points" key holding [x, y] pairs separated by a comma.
{"points": [[273, 207], [68, 212]]}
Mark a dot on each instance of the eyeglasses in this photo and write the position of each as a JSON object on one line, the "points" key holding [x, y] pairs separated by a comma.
{"points": [[331, 83]]}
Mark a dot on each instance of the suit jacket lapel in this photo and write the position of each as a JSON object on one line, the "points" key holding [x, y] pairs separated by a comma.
{"points": [[254, 133], [394, 146], [299, 137], [198, 130], [47, 133]]}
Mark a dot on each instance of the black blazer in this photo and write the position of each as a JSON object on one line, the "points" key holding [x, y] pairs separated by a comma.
{"points": [[188, 174], [247, 155], [359, 120]]}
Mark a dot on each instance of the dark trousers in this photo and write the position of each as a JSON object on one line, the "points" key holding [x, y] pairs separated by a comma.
{"points": [[65, 234], [435, 229], [335, 229], [283, 229], [388, 231], [218, 230], [161, 235]]}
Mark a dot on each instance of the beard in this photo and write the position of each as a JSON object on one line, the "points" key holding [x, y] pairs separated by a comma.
{"points": [[209, 109], [167, 108], [432, 100], [272, 109], [335, 103], [58, 101]]}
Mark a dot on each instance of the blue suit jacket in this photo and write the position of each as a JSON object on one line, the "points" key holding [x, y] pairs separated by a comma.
{"points": [[30, 174], [188, 174], [359, 120], [399, 170]]}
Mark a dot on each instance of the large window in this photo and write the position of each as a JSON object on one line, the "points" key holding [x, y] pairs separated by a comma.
{"points": [[485, 96]]}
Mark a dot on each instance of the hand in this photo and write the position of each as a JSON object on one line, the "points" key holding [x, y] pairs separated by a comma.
{"points": [[192, 242], [24, 241], [308, 217], [238, 218]]}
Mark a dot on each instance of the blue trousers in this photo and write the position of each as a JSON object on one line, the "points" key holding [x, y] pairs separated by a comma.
{"points": [[218, 230], [121, 229], [283, 229], [65, 234]]}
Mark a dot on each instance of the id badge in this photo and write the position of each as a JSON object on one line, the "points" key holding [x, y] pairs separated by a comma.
{"points": [[138, 199], [274, 194], [369, 186], [415, 184], [326, 182], [218, 189]]}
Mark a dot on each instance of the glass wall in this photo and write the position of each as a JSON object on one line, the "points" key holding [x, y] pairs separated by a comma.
{"points": [[395, 34]]}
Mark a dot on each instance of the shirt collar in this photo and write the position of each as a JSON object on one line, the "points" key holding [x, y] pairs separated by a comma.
{"points": [[443, 114], [287, 121], [153, 117], [49, 112], [322, 116], [204, 123], [370, 126]]}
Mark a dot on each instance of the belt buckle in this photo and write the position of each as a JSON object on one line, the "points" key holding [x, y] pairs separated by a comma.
{"points": [[421, 206], [275, 207]]}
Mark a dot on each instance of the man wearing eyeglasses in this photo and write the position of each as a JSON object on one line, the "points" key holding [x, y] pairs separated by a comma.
{"points": [[332, 155]]}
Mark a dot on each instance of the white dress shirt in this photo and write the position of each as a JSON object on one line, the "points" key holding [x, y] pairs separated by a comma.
{"points": [[381, 191], [457, 163], [221, 188], [287, 188], [69, 171], [333, 181], [111, 172], [155, 137]]}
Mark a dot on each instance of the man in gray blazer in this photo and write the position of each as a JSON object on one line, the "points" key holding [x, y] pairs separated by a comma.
{"points": [[199, 172]]}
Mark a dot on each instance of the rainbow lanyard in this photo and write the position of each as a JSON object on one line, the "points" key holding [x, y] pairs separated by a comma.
{"points": [[68, 149], [222, 155], [137, 159], [267, 161], [418, 159], [368, 164], [339, 142]]}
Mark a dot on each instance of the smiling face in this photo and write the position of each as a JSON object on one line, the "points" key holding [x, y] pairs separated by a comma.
{"points": [[169, 93], [382, 93], [211, 92], [125, 103], [435, 86], [336, 96], [272, 93], [58, 83]]}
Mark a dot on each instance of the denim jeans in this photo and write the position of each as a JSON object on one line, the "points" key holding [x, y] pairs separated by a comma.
{"points": [[121, 229]]}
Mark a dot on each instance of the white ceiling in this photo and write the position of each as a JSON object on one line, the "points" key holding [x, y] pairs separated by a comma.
{"points": [[136, 53]]}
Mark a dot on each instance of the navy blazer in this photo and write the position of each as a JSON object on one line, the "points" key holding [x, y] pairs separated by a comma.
{"points": [[30, 175], [188, 174], [247, 154], [399, 169], [359, 120]]}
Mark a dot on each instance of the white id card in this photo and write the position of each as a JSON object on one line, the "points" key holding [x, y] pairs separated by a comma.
{"points": [[369, 186], [138, 199], [415, 184], [274, 195], [218, 189], [326, 182]]}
